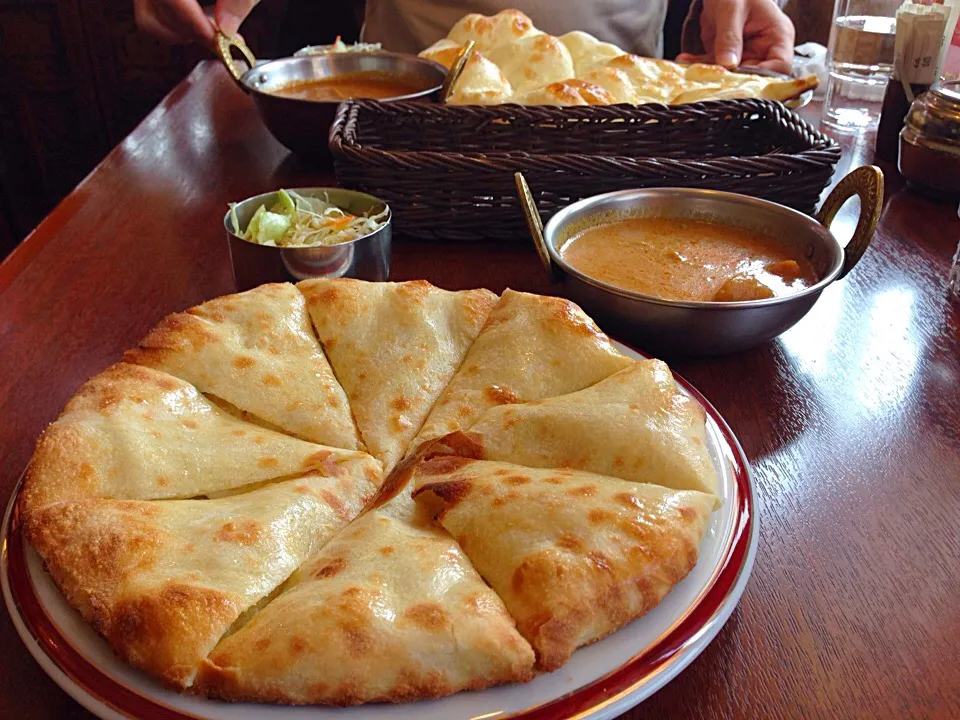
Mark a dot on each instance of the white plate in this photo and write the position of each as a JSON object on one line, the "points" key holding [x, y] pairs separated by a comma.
{"points": [[600, 681]]}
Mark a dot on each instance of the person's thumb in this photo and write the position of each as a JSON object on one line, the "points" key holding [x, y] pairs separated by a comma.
{"points": [[728, 38], [228, 14]]}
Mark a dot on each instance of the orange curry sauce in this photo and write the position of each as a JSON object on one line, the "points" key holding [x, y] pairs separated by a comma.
{"points": [[363, 84], [681, 259]]}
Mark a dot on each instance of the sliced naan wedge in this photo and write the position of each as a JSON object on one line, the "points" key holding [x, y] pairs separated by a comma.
{"points": [[635, 425], [573, 555], [389, 611], [532, 347], [256, 350], [135, 433], [394, 347], [163, 581]]}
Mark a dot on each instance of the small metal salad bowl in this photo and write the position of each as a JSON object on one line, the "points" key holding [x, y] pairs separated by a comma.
{"points": [[675, 327], [365, 258], [303, 125]]}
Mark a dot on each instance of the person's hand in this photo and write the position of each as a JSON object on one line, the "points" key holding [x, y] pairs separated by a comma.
{"points": [[747, 32], [184, 21]]}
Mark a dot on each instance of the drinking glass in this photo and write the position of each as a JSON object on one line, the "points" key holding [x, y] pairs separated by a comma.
{"points": [[859, 62]]}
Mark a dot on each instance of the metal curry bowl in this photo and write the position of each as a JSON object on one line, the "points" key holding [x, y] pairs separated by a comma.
{"points": [[303, 126], [673, 327], [366, 258]]}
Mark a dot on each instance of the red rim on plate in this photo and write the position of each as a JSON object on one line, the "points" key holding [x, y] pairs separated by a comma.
{"points": [[589, 698]]}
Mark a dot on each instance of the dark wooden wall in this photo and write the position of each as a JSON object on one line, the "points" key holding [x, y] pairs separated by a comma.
{"points": [[76, 77]]}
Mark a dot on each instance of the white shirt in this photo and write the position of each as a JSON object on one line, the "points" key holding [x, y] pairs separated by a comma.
{"points": [[412, 25]]}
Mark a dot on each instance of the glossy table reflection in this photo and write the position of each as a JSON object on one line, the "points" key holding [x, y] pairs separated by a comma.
{"points": [[851, 419]]}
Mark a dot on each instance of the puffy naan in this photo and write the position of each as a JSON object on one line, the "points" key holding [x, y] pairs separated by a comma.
{"points": [[586, 51], [132, 432], [566, 93], [394, 347], [389, 611], [504, 28], [635, 425], [163, 581], [532, 347], [532, 62], [480, 83], [256, 350], [573, 555]]}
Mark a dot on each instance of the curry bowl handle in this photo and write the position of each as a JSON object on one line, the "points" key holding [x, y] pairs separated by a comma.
{"points": [[225, 46], [866, 183]]}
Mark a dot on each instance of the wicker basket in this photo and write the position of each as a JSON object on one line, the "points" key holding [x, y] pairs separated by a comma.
{"points": [[447, 171]]}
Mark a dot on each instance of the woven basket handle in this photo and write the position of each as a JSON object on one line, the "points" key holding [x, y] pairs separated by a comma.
{"points": [[866, 183]]}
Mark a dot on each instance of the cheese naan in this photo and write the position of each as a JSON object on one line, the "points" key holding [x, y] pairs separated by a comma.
{"points": [[532, 347], [586, 51], [504, 28], [532, 62], [256, 350], [132, 432], [163, 581], [480, 83], [573, 555], [394, 347], [389, 611], [635, 425]]}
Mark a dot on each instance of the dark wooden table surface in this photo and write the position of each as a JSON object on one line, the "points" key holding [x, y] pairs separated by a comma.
{"points": [[851, 419]]}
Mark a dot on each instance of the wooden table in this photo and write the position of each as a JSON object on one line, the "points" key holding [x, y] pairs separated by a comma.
{"points": [[851, 419]]}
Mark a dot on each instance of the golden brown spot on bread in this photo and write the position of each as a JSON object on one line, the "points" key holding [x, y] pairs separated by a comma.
{"points": [[498, 501], [297, 645], [242, 362], [582, 491], [239, 432], [627, 499], [599, 515], [500, 395], [268, 463], [270, 379], [261, 644], [601, 561], [189, 423], [386, 550], [244, 532], [163, 480], [517, 480], [553, 480], [400, 403], [443, 465], [331, 568], [569, 541], [451, 492], [335, 503], [427, 615]]}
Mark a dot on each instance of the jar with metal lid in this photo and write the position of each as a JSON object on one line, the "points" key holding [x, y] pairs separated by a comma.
{"points": [[930, 142]]}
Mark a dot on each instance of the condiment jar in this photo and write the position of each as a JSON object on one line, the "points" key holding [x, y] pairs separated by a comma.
{"points": [[930, 142]]}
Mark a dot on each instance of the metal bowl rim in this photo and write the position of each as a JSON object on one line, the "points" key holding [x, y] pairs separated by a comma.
{"points": [[563, 215], [303, 191], [248, 85]]}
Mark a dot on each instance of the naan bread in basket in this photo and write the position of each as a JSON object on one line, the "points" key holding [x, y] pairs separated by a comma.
{"points": [[577, 69]]}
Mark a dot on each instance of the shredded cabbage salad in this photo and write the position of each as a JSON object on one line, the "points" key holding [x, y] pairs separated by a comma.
{"points": [[300, 221]]}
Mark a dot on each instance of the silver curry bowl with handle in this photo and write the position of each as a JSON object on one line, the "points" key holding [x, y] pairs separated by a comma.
{"points": [[303, 126], [673, 327]]}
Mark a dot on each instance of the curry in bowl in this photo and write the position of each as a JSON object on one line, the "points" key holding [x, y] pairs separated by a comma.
{"points": [[373, 84], [688, 259]]}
